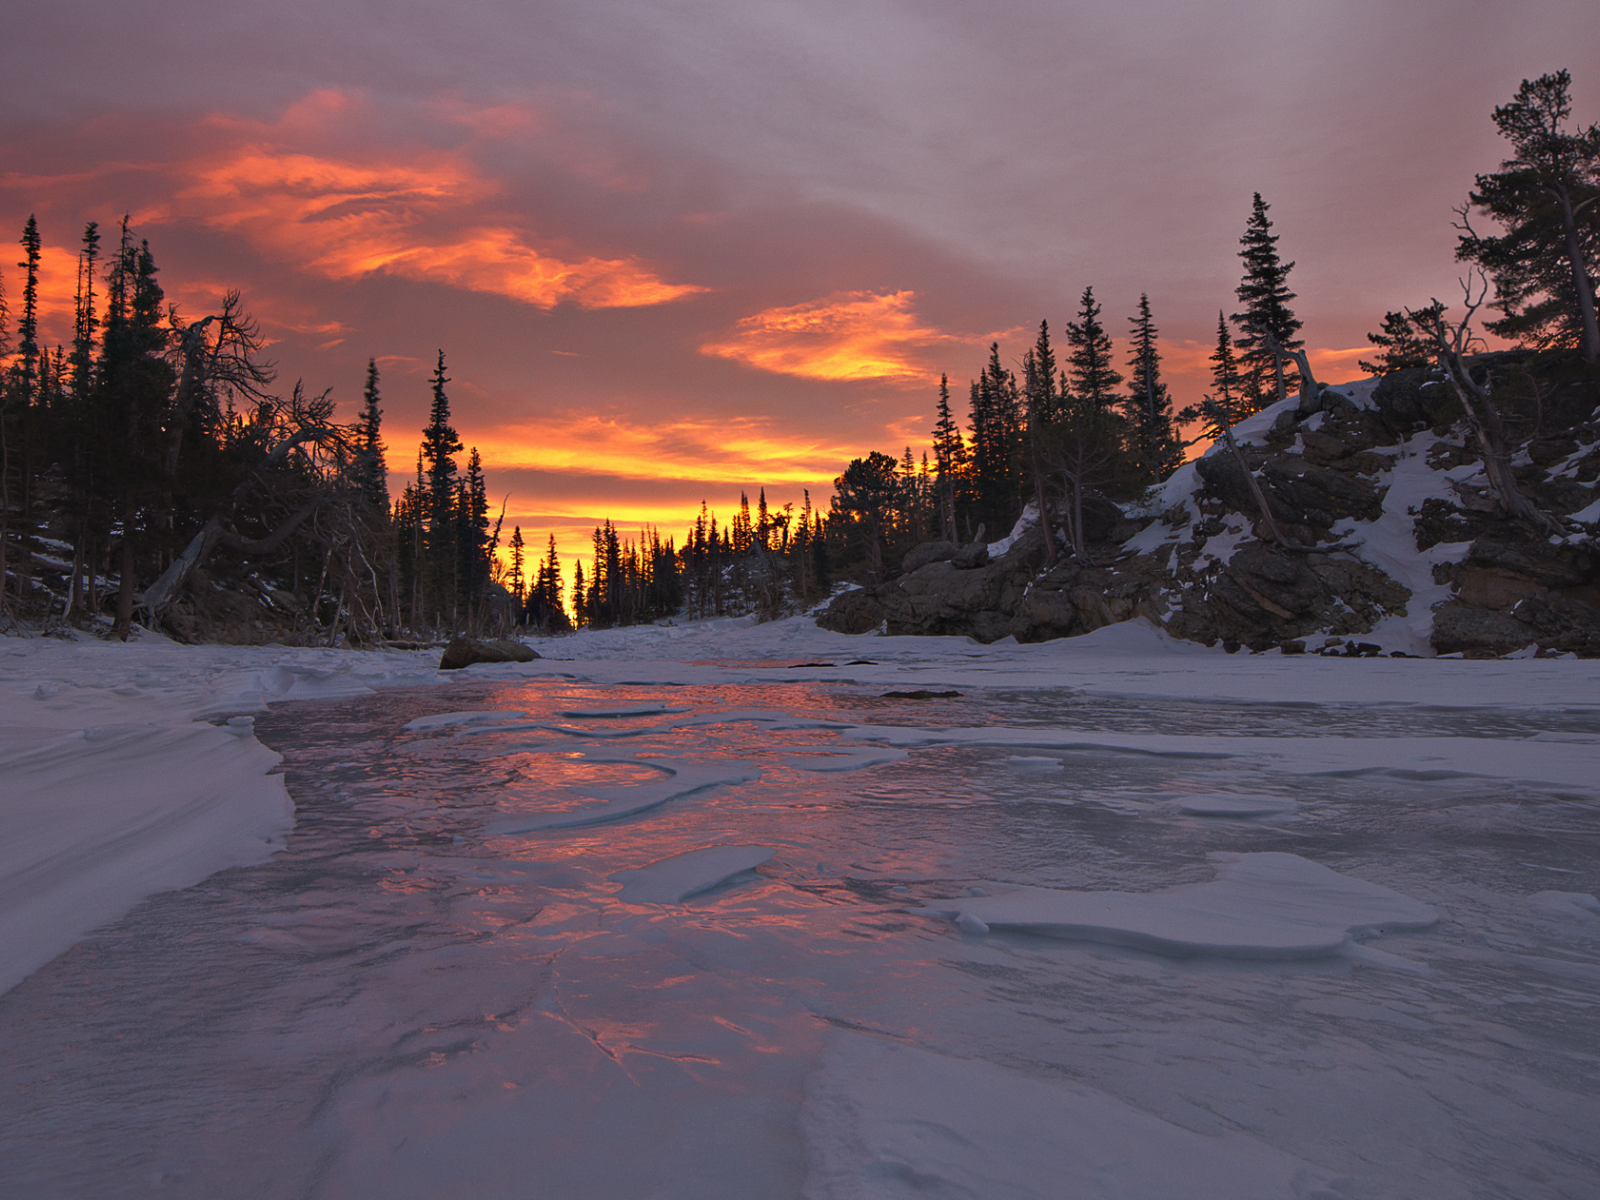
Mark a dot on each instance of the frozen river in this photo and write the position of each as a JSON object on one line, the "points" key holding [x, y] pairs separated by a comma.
{"points": [[456, 980]]}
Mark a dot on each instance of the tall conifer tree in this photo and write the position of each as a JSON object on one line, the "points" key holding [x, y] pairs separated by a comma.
{"points": [[372, 473], [1265, 317], [27, 367], [440, 444], [1148, 407]]}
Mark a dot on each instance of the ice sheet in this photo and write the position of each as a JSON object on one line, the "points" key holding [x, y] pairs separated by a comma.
{"points": [[673, 880], [1269, 905], [886, 1120], [680, 779]]}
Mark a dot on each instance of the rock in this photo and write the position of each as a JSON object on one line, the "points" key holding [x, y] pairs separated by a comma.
{"points": [[1562, 622], [465, 651], [970, 557], [1477, 632], [855, 611], [928, 552]]}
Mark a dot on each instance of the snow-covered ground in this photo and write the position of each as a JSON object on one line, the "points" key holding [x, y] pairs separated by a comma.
{"points": [[698, 911]]}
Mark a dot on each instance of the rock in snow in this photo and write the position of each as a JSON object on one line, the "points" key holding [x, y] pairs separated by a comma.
{"points": [[466, 652]]}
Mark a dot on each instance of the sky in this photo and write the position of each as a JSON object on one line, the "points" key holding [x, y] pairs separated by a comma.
{"points": [[681, 249]]}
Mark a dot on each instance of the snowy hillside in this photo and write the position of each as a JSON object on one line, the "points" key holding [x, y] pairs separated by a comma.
{"points": [[1381, 536]]}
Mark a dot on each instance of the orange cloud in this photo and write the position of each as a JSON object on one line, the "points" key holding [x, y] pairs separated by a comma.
{"points": [[346, 219], [845, 336], [732, 451], [422, 214]]}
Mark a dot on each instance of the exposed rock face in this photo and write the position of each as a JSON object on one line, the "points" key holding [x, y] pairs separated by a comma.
{"points": [[929, 552], [855, 611], [465, 651], [1206, 569]]}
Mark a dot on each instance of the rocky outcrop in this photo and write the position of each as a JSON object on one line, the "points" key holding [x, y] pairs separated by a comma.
{"points": [[466, 652], [1197, 557]]}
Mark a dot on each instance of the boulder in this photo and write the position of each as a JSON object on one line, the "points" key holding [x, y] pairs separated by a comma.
{"points": [[1478, 632], [970, 557], [465, 652], [928, 552], [855, 611]]}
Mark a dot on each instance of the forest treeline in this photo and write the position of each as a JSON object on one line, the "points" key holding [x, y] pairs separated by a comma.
{"points": [[150, 472]]}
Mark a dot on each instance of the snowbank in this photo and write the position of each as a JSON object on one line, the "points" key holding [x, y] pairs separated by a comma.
{"points": [[114, 786]]}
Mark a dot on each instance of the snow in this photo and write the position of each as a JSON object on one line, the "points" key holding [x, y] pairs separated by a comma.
{"points": [[104, 815], [1026, 521], [1129, 918], [1260, 906], [673, 880], [889, 1119]]}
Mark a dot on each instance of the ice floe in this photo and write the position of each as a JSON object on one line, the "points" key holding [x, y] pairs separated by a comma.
{"points": [[1227, 804], [1261, 906], [673, 880]]}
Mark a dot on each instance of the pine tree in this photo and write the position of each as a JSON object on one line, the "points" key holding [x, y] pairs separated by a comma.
{"points": [[1094, 380], [1266, 317], [580, 612], [474, 547], [1402, 344], [1547, 199], [85, 322], [552, 580], [1039, 389], [371, 473], [27, 367], [1229, 401], [949, 456], [515, 577], [440, 444], [1148, 408]]}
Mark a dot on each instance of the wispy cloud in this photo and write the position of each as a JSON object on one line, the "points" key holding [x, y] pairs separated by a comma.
{"points": [[844, 336], [423, 214]]}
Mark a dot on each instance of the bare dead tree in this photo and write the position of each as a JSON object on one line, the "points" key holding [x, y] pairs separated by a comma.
{"points": [[301, 427], [216, 353], [1218, 413], [1452, 342]]}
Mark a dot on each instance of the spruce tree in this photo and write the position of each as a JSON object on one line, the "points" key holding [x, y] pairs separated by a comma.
{"points": [[85, 321], [553, 586], [949, 456], [1229, 401], [1265, 317], [440, 444], [1402, 344], [1093, 379], [515, 576], [1154, 443], [1547, 199], [372, 473], [27, 367]]}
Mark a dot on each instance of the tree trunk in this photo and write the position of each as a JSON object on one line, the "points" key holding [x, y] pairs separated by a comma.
{"points": [[124, 621], [1255, 487], [1580, 279]]}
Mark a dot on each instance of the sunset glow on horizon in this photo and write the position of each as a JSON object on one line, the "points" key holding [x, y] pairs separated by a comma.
{"points": [[671, 257]]}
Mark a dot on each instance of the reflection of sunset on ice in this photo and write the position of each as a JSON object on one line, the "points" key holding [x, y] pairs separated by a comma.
{"points": [[701, 911]]}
